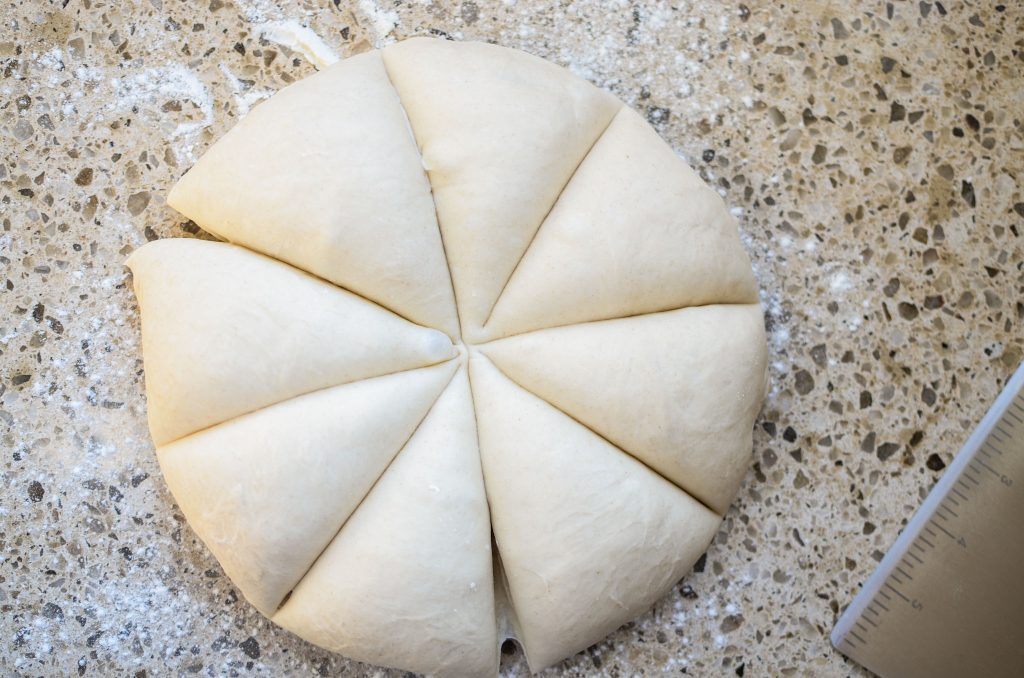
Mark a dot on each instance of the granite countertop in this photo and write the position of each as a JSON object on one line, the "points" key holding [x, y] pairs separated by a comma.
{"points": [[872, 152]]}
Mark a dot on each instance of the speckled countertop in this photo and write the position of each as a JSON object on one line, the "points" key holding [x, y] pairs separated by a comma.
{"points": [[873, 153]]}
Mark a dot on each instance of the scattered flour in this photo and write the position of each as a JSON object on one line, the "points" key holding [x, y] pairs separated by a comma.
{"points": [[299, 38], [245, 99], [166, 82], [383, 21]]}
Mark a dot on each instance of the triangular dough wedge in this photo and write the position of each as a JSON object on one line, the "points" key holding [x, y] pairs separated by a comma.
{"points": [[589, 538], [408, 579], [326, 176], [678, 390], [226, 331], [676, 245], [266, 492], [501, 132]]}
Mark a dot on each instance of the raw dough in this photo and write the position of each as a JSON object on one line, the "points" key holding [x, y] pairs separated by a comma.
{"points": [[562, 351]]}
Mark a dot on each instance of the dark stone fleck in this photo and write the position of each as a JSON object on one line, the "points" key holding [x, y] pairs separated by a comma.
{"points": [[20, 379], [887, 64], [35, 491], [800, 481], [886, 450], [900, 155], [868, 444], [38, 312], [688, 592], [839, 30], [84, 177], [933, 302], [967, 191], [699, 565], [115, 494], [657, 115], [1019, 208], [842, 60], [744, 12], [896, 112], [741, 669], [891, 287], [935, 463], [138, 478], [972, 122], [818, 156], [240, 48], [865, 400], [789, 435], [731, 623], [907, 310], [928, 396], [53, 611], [804, 382], [250, 647], [708, 155]]}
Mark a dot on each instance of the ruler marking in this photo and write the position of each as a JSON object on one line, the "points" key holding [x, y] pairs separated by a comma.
{"points": [[910, 572], [951, 535], [994, 472], [896, 591]]}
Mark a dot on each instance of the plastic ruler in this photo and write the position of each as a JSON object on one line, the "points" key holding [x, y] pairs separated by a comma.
{"points": [[948, 597]]}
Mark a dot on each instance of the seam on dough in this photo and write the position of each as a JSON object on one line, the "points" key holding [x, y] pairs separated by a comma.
{"points": [[617, 447], [620, 317], [235, 418], [558, 197], [314, 276], [497, 565], [430, 184], [401, 449]]}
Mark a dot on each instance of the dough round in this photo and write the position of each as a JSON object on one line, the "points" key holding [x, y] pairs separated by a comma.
{"points": [[479, 359]]}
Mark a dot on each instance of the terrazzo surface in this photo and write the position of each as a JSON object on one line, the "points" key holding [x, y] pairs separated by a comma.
{"points": [[872, 152]]}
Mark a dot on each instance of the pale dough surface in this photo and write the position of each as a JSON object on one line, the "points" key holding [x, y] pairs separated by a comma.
{"points": [[501, 133], [678, 390], [408, 580], [226, 331], [472, 297], [301, 179], [589, 538]]}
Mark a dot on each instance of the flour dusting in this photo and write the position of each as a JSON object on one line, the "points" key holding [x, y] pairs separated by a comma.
{"points": [[301, 39]]}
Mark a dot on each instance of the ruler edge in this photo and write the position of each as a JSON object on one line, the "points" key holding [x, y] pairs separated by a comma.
{"points": [[857, 607]]}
